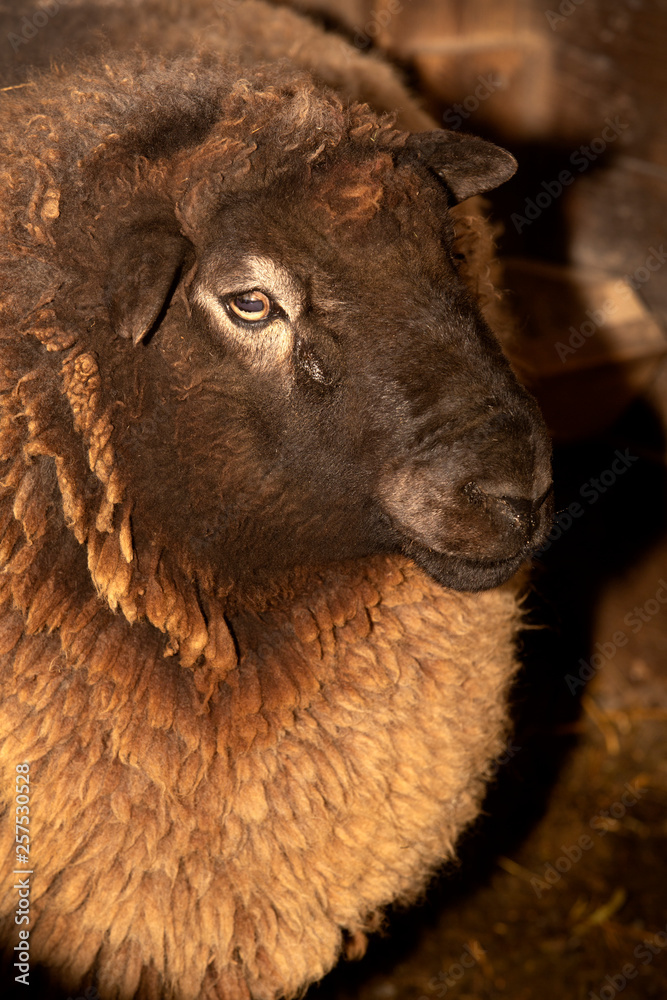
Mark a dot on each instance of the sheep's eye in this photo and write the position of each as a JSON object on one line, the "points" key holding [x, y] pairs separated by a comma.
{"points": [[251, 306]]}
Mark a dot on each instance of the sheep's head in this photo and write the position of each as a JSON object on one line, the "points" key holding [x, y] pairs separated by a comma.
{"points": [[273, 360], [330, 389]]}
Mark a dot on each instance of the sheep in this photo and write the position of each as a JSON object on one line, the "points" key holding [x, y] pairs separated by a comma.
{"points": [[268, 485]]}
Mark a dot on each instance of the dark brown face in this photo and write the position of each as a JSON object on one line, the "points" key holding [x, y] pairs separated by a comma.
{"points": [[333, 392]]}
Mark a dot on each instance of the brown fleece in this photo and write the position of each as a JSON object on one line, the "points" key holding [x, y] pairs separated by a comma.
{"points": [[225, 788]]}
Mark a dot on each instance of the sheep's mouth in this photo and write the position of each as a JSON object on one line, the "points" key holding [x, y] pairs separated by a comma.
{"points": [[475, 547], [461, 573]]}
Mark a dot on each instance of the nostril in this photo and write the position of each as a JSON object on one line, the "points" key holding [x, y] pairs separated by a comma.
{"points": [[521, 509]]}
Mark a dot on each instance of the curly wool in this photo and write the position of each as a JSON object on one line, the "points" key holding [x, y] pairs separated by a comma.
{"points": [[230, 788]]}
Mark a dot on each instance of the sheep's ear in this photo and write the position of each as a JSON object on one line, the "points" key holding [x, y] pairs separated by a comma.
{"points": [[145, 264], [466, 164]]}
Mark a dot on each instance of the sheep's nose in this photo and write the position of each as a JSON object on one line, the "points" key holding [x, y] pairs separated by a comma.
{"points": [[523, 512]]}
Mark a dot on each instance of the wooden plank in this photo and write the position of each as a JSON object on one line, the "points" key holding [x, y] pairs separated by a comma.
{"points": [[617, 219], [498, 83], [588, 344]]}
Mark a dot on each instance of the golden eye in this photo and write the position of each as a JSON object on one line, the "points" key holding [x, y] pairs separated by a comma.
{"points": [[251, 306]]}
